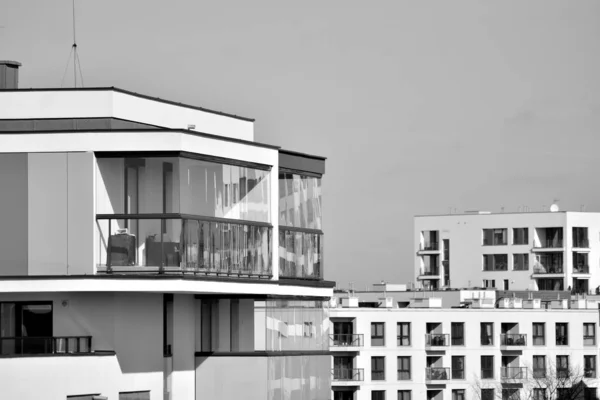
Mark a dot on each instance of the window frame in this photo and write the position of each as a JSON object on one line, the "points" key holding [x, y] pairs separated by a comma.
{"points": [[534, 336], [594, 368], [490, 337], [565, 336], [458, 394], [526, 236], [586, 326], [464, 367], [459, 338], [401, 336], [491, 360], [402, 370], [375, 335], [488, 266], [404, 394], [374, 361], [377, 394], [525, 263], [494, 231], [535, 358]]}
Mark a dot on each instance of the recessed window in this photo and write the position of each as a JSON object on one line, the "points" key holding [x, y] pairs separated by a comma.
{"points": [[377, 368], [520, 262], [589, 366], [495, 262], [378, 395], [487, 333], [494, 237], [458, 394], [458, 367], [404, 395], [589, 334], [539, 334], [458, 333], [377, 334], [520, 236], [403, 368], [539, 367], [487, 367], [403, 333], [562, 334], [562, 366]]}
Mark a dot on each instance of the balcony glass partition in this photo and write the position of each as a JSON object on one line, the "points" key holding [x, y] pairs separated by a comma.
{"points": [[186, 244], [300, 201], [300, 254]]}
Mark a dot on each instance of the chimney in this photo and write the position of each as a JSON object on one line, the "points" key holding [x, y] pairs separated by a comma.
{"points": [[9, 74]]}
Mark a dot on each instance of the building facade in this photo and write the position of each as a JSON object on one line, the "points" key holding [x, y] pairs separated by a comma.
{"points": [[154, 250], [462, 345], [509, 251]]}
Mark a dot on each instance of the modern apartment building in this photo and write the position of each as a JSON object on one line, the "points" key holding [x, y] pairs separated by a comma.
{"points": [[462, 344], [153, 250], [509, 251]]}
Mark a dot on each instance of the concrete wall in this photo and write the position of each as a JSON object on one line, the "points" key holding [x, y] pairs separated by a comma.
{"points": [[231, 378], [14, 214], [472, 350]]}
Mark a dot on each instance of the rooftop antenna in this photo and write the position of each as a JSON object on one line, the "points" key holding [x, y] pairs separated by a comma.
{"points": [[75, 54]]}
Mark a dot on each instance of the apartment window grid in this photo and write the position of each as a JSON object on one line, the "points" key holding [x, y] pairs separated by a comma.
{"points": [[589, 366], [487, 367], [589, 334], [495, 237], [377, 394], [562, 334], [487, 334], [377, 334], [377, 368], [458, 367], [520, 236], [539, 334], [457, 329], [403, 333], [539, 367], [562, 366], [404, 395], [404, 368], [520, 262], [495, 262], [458, 394]]}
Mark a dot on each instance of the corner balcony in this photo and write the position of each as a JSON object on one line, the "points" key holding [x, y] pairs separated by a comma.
{"points": [[57, 345], [437, 375], [434, 340], [347, 375], [346, 341], [513, 373], [429, 273], [513, 341]]}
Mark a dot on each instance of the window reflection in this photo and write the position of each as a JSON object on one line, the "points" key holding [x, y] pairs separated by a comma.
{"points": [[299, 201], [300, 254]]}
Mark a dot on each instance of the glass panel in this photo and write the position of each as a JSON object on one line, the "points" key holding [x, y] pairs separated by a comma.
{"points": [[300, 254], [300, 201]]}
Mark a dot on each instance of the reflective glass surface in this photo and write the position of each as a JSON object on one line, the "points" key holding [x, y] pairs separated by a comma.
{"points": [[300, 201], [299, 378], [300, 254]]}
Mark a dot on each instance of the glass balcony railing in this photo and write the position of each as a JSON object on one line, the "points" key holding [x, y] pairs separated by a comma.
{"points": [[437, 374], [581, 269], [430, 246], [185, 245], [348, 374], [541, 269], [430, 272], [518, 339], [548, 244], [45, 345], [346, 340], [300, 254], [437, 339], [509, 373]]}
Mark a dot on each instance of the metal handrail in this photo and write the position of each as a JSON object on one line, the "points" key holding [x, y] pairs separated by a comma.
{"points": [[45, 345], [347, 374], [437, 339], [437, 374], [513, 373], [346, 339], [518, 339]]}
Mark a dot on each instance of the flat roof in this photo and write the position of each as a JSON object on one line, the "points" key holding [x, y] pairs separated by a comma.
{"points": [[484, 213]]}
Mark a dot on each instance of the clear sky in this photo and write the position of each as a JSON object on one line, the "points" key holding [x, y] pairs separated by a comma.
{"points": [[420, 106]]}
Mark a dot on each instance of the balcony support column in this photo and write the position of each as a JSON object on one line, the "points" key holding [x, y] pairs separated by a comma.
{"points": [[183, 385]]}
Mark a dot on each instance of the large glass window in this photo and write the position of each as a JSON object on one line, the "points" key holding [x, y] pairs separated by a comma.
{"points": [[403, 333], [589, 334], [403, 368], [487, 367], [562, 334], [520, 262], [300, 201], [495, 262], [520, 235], [494, 237], [300, 254], [377, 368], [377, 334], [539, 334]]}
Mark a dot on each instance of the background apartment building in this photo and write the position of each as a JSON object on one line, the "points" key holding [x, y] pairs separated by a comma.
{"points": [[460, 345], [154, 250], [509, 251]]}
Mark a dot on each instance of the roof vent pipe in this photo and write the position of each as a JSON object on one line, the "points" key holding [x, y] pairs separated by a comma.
{"points": [[9, 74]]}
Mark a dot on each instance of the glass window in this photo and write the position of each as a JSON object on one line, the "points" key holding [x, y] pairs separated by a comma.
{"points": [[458, 367], [539, 366], [589, 368], [590, 394], [495, 262], [377, 334], [487, 367], [300, 198], [404, 395], [487, 394], [487, 333], [510, 394], [377, 368], [458, 333], [494, 237], [300, 254], [539, 394], [580, 263], [589, 334], [458, 394], [562, 334], [403, 368], [539, 334], [378, 395], [403, 333], [562, 366], [520, 262], [580, 237], [520, 235]]}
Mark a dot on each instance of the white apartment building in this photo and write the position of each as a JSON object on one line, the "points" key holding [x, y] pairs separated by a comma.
{"points": [[152, 250], [509, 251], [461, 345]]}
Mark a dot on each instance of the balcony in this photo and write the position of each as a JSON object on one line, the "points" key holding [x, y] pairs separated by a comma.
{"points": [[549, 244], [516, 340], [429, 273], [437, 340], [429, 246], [344, 340], [581, 243], [513, 373], [581, 270], [29, 345], [437, 374], [540, 269], [347, 374]]}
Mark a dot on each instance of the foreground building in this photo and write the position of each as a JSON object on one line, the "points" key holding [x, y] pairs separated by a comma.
{"points": [[462, 344], [509, 251], [154, 250]]}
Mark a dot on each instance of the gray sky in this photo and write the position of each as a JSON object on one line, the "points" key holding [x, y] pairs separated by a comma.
{"points": [[419, 106]]}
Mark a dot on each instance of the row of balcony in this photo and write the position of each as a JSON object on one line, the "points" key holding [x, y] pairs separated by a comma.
{"points": [[442, 374], [431, 340], [538, 269], [537, 244]]}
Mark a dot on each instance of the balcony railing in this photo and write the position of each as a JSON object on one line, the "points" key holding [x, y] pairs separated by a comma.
{"points": [[518, 339], [513, 373], [346, 340], [348, 374], [548, 244], [430, 246], [437, 339], [581, 269], [430, 271], [547, 270], [437, 374], [581, 243], [45, 345]]}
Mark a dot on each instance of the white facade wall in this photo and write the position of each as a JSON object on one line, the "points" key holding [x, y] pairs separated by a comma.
{"points": [[465, 233], [472, 350]]}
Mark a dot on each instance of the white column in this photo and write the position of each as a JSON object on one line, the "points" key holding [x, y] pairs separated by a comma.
{"points": [[183, 379]]}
